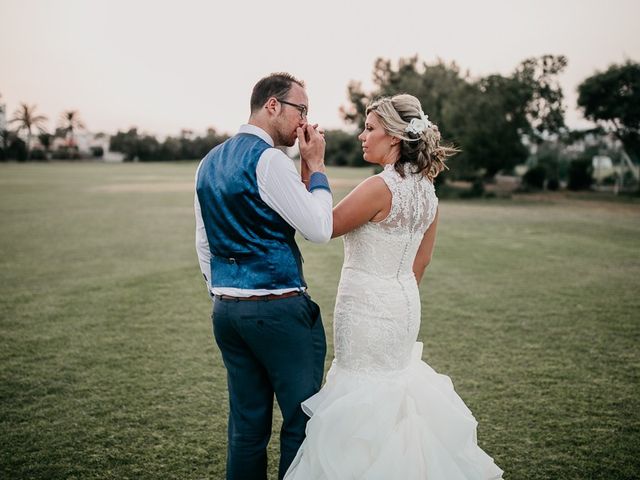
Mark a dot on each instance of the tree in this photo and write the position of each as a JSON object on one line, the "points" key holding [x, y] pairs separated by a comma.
{"points": [[437, 86], [27, 119], [488, 122], [612, 100], [542, 94], [134, 146], [125, 142], [486, 117], [147, 147], [526, 104], [343, 149], [70, 122]]}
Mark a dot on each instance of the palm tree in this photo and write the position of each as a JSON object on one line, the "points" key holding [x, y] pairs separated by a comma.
{"points": [[70, 122], [26, 118]]}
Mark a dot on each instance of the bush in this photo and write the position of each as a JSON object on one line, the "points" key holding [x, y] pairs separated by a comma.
{"points": [[66, 153], [553, 184], [38, 154], [97, 152], [580, 174], [534, 178], [17, 149]]}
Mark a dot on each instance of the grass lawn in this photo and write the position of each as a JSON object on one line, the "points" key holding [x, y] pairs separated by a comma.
{"points": [[109, 369]]}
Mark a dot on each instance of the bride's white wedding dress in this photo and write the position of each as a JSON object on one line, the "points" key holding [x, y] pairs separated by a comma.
{"points": [[383, 413]]}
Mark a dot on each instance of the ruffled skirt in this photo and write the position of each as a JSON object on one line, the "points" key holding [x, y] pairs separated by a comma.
{"points": [[404, 425]]}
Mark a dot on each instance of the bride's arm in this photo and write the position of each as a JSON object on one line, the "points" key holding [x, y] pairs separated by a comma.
{"points": [[371, 200], [425, 251]]}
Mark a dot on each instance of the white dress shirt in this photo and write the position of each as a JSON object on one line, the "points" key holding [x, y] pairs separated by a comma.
{"points": [[281, 188]]}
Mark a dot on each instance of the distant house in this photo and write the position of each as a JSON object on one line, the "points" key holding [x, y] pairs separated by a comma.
{"points": [[593, 139], [602, 162], [86, 143], [602, 167]]}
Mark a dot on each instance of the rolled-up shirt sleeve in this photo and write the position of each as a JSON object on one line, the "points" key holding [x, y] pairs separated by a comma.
{"points": [[280, 187]]}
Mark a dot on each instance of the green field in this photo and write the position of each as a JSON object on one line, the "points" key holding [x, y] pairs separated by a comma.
{"points": [[109, 369]]}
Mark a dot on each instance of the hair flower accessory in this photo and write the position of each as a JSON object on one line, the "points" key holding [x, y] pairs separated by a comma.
{"points": [[418, 125]]}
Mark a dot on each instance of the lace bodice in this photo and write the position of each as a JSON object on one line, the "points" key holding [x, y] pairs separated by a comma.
{"points": [[388, 248], [377, 314]]}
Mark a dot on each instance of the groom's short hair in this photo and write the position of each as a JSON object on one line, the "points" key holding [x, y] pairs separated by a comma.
{"points": [[275, 85]]}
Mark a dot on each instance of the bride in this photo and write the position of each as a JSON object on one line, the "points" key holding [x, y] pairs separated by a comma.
{"points": [[383, 413]]}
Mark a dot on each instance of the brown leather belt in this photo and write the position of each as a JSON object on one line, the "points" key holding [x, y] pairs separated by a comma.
{"points": [[254, 298]]}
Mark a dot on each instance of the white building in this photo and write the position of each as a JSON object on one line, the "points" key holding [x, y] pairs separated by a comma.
{"points": [[86, 141]]}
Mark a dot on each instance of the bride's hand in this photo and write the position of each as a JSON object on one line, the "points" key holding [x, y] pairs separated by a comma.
{"points": [[311, 143]]}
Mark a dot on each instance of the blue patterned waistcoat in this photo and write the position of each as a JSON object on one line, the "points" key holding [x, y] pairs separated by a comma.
{"points": [[252, 247]]}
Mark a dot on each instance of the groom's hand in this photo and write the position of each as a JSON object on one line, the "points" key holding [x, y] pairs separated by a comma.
{"points": [[311, 143], [318, 129]]}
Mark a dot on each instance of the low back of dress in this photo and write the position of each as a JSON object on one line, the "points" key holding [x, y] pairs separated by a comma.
{"points": [[377, 313]]}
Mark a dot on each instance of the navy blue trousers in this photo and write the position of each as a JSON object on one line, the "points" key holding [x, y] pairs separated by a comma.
{"points": [[268, 347]]}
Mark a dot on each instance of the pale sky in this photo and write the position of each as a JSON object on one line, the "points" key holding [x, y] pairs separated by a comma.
{"points": [[167, 65]]}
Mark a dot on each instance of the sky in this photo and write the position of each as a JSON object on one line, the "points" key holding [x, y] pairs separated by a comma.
{"points": [[167, 65]]}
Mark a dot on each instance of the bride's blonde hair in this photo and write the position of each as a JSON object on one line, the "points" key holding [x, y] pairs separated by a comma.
{"points": [[420, 150]]}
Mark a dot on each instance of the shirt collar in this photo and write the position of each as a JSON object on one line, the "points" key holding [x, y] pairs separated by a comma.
{"points": [[253, 130]]}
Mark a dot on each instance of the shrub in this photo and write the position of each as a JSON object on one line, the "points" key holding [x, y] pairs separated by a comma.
{"points": [[534, 178], [553, 184], [17, 149], [66, 153], [97, 151], [38, 154], [580, 174]]}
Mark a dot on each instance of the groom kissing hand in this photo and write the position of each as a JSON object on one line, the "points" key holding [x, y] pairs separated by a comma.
{"points": [[249, 203]]}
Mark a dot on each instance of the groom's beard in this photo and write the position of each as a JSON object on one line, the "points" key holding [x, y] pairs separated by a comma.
{"points": [[284, 136], [286, 140]]}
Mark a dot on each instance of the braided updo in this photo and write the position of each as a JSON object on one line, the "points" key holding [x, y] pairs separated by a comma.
{"points": [[420, 150]]}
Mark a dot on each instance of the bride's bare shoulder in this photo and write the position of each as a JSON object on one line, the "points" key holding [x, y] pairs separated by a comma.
{"points": [[374, 185]]}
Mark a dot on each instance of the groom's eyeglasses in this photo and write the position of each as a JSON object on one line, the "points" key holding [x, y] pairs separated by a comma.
{"points": [[301, 108]]}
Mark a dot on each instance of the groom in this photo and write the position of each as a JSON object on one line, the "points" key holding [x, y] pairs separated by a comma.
{"points": [[250, 201]]}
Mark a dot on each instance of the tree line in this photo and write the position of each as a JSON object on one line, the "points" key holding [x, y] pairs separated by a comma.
{"points": [[497, 120], [28, 124], [145, 147]]}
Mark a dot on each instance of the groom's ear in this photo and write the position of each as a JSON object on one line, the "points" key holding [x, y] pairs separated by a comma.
{"points": [[271, 105]]}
